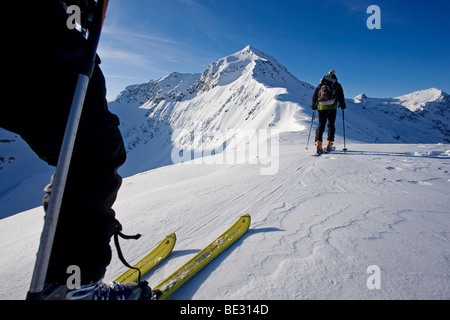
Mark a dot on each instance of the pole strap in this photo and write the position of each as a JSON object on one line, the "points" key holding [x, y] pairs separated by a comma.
{"points": [[118, 234]]}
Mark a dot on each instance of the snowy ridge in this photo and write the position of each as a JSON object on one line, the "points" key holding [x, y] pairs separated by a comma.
{"points": [[171, 87], [417, 101], [419, 117], [248, 90]]}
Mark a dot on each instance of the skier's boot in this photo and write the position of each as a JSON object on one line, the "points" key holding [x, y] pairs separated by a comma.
{"points": [[319, 148], [329, 146], [99, 291]]}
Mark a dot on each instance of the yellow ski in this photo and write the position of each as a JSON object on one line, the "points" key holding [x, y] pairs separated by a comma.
{"points": [[150, 261], [190, 268]]}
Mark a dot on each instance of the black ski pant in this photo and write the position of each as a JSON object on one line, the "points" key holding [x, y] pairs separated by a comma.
{"points": [[326, 116], [42, 83]]}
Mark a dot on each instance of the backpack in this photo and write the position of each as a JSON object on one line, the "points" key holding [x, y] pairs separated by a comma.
{"points": [[327, 93]]}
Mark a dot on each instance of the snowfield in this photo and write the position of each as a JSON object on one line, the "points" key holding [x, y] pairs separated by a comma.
{"points": [[316, 227], [369, 223]]}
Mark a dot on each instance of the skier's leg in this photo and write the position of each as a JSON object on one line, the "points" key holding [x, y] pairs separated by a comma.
{"points": [[322, 123], [331, 116]]}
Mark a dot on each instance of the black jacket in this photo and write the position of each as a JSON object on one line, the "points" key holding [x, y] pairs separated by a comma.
{"points": [[339, 92]]}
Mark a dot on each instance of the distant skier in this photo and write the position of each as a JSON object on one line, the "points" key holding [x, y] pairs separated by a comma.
{"points": [[46, 57], [327, 97]]}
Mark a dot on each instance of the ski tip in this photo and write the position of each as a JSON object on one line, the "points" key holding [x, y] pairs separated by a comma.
{"points": [[246, 217], [246, 221], [171, 238], [172, 235]]}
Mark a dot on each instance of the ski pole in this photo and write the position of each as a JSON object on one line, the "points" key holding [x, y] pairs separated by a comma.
{"points": [[343, 123], [65, 155], [310, 128]]}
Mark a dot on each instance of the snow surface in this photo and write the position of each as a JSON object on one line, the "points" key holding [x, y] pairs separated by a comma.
{"points": [[318, 224]]}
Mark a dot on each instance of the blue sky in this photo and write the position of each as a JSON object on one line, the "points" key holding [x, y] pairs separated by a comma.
{"points": [[148, 39]]}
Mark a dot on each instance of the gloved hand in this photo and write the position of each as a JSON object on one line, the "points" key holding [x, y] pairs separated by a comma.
{"points": [[343, 106]]}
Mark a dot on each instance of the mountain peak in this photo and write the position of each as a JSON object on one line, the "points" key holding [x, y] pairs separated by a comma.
{"points": [[417, 100], [249, 64], [250, 49], [426, 94], [360, 98], [252, 53], [174, 86]]}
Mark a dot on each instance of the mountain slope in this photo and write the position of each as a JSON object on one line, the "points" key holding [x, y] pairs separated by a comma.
{"points": [[248, 90], [418, 117], [23, 175], [172, 87]]}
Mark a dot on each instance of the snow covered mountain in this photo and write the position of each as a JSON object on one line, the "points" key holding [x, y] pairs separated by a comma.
{"points": [[248, 90], [251, 90], [418, 117], [23, 175], [171, 87], [320, 226]]}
